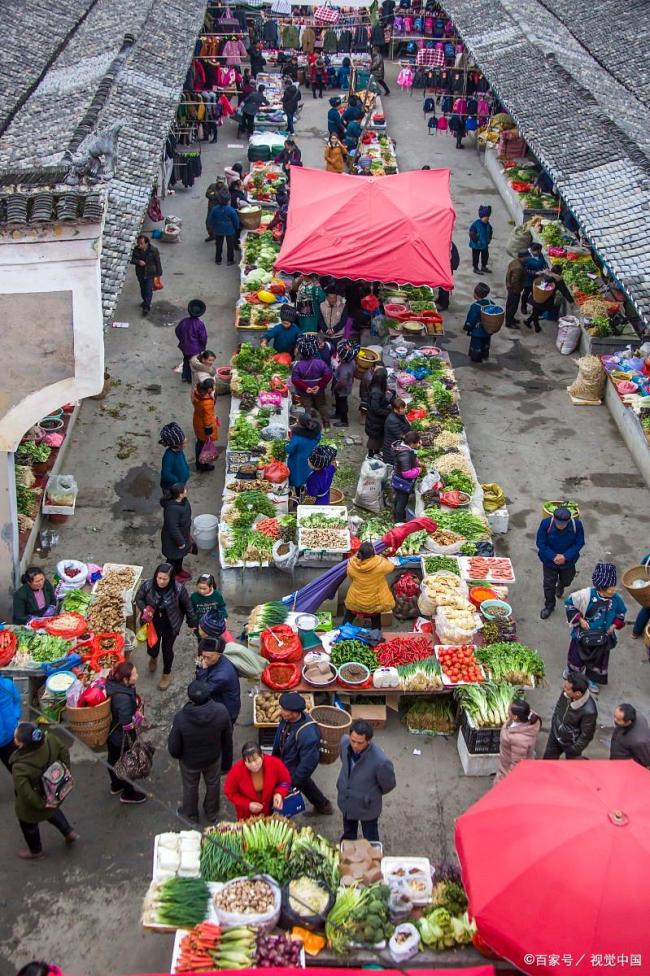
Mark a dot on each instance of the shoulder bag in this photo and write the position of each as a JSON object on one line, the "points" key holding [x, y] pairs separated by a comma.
{"points": [[136, 761]]}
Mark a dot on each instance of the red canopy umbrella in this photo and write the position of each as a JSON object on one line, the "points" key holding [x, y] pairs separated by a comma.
{"points": [[556, 860], [386, 228]]}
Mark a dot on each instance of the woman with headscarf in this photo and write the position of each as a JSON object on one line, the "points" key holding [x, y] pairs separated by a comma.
{"points": [[344, 380], [176, 537], [304, 438], [594, 615], [310, 375], [323, 468], [175, 469], [164, 603]]}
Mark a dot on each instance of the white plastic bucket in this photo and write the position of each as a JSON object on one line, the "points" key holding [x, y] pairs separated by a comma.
{"points": [[205, 530]]}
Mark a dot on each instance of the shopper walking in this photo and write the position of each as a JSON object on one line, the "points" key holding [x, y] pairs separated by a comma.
{"points": [[515, 283], [204, 421], [535, 262], [317, 76], [257, 784], [202, 367], [146, 259], [176, 533], [335, 154], [207, 598], [201, 740], [192, 336], [395, 429], [10, 707], [631, 736], [344, 381], [560, 539], [594, 615], [405, 472], [174, 470], [518, 737], [220, 675], [369, 593], [480, 236], [164, 603], [310, 376], [297, 744], [643, 616], [36, 751], [290, 99], [323, 468], [126, 716], [377, 69], [224, 225], [213, 191], [304, 438], [442, 301], [573, 724], [378, 408], [251, 106], [479, 339], [365, 777]]}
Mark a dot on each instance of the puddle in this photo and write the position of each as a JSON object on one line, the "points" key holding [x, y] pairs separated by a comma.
{"points": [[138, 491]]}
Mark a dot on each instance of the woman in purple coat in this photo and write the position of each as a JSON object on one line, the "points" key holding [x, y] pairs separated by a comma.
{"points": [[318, 485], [310, 375], [192, 335]]}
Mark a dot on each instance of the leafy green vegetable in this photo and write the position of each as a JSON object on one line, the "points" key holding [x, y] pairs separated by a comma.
{"points": [[511, 662], [436, 564], [470, 526], [345, 651], [244, 435], [459, 481]]}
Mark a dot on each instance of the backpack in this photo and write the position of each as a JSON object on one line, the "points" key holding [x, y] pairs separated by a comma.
{"points": [[56, 781], [429, 105]]}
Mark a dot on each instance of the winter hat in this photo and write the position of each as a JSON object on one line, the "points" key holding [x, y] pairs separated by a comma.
{"points": [[198, 692], [292, 701], [335, 102], [307, 345], [212, 623], [347, 350], [223, 197], [171, 435], [196, 308], [321, 456], [562, 515], [484, 211], [288, 313], [604, 576]]}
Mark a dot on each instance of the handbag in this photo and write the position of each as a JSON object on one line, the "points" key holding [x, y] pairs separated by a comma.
{"points": [[293, 804], [158, 283], [592, 644], [401, 484], [327, 14], [136, 761]]}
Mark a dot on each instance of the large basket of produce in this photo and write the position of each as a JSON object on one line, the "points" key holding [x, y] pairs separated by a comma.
{"points": [[549, 508], [333, 724], [91, 725], [250, 217], [637, 583], [542, 291], [492, 318]]}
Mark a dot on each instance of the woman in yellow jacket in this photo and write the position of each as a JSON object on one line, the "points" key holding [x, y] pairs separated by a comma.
{"points": [[335, 154], [369, 593]]}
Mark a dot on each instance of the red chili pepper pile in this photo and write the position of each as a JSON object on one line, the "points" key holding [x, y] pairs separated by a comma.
{"points": [[403, 650]]}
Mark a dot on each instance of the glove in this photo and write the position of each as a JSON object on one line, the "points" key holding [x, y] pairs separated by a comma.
{"points": [[147, 614]]}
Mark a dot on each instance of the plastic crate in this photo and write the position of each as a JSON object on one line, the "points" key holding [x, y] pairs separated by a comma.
{"points": [[479, 741], [265, 737]]}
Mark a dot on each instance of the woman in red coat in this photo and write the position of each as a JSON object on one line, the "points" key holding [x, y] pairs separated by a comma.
{"points": [[257, 784]]}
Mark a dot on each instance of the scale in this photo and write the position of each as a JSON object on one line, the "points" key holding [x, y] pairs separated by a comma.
{"points": [[306, 624]]}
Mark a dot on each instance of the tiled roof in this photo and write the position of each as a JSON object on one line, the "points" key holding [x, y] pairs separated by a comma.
{"points": [[587, 129], [124, 63], [20, 206]]}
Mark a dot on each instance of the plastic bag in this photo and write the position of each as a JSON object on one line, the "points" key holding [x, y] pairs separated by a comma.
{"points": [[73, 693], [280, 643], [61, 489], [286, 560], [401, 951], [158, 282], [141, 635], [152, 634], [209, 452], [568, 334], [73, 575], [493, 497], [263, 920], [369, 494], [277, 472]]}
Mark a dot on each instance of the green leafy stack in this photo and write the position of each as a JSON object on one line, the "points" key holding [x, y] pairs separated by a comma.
{"points": [[359, 917]]}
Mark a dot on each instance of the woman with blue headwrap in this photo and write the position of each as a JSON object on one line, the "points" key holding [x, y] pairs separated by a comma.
{"points": [[594, 614], [344, 380], [311, 375], [318, 485]]}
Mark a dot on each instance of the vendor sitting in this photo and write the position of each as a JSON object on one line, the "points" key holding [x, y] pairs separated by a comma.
{"points": [[285, 334], [322, 462], [35, 598]]}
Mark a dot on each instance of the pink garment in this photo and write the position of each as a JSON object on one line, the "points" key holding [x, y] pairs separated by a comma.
{"points": [[39, 599], [443, 124], [234, 51], [405, 78], [460, 106]]}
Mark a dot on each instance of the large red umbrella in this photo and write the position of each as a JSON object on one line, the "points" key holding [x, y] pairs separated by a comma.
{"points": [[556, 862]]}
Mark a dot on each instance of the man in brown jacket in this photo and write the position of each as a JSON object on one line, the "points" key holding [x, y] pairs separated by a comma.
{"points": [[515, 281]]}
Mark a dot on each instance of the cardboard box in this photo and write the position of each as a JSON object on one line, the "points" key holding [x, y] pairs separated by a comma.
{"points": [[386, 620], [375, 715]]}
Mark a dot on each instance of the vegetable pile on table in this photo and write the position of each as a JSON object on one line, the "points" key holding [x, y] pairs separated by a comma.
{"points": [[511, 662], [406, 591], [487, 706], [403, 649], [246, 896], [207, 947], [433, 715], [345, 651], [424, 675], [434, 564], [459, 664], [178, 902], [42, 647], [359, 917]]}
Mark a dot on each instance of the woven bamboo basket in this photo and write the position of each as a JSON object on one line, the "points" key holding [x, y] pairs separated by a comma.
{"points": [[333, 724], [91, 725]]}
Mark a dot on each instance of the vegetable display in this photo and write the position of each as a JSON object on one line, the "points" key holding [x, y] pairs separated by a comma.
{"points": [[433, 564], [221, 853], [77, 601], [470, 526], [487, 706], [42, 647], [359, 917], [180, 902], [246, 896], [276, 950], [323, 522], [266, 615], [8, 646], [353, 650], [459, 664], [511, 662], [209, 947], [435, 715], [425, 675], [440, 930], [403, 650]]}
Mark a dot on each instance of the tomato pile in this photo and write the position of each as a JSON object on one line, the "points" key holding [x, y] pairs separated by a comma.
{"points": [[403, 650], [459, 664]]}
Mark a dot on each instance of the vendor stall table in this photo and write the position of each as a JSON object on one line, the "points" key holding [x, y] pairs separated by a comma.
{"points": [[511, 199]]}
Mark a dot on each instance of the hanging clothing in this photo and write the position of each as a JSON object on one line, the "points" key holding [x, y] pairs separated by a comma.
{"points": [[234, 51], [330, 42], [308, 40]]}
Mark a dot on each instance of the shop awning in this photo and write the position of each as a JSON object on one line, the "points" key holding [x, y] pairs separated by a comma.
{"points": [[385, 228]]}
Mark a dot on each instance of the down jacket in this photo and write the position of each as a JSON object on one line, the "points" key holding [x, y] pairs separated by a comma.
{"points": [[205, 421], [27, 769], [175, 537], [574, 723], [369, 592], [174, 601], [516, 742]]}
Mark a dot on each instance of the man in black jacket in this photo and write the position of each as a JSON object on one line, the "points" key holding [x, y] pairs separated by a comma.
{"points": [[631, 737], [395, 428], [201, 740], [442, 301], [290, 98], [573, 724], [251, 107], [147, 267], [220, 675]]}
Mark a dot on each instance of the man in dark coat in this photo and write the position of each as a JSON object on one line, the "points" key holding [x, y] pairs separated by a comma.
{"points": [[559, 541], [366, 775], [573, 724], [394, 429], [297, 744], [442, 301], [201, 740], [631, 736], [290, 98], [251, 107], [515, 284], [258, 60], [146, 259], [220, 675]]}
